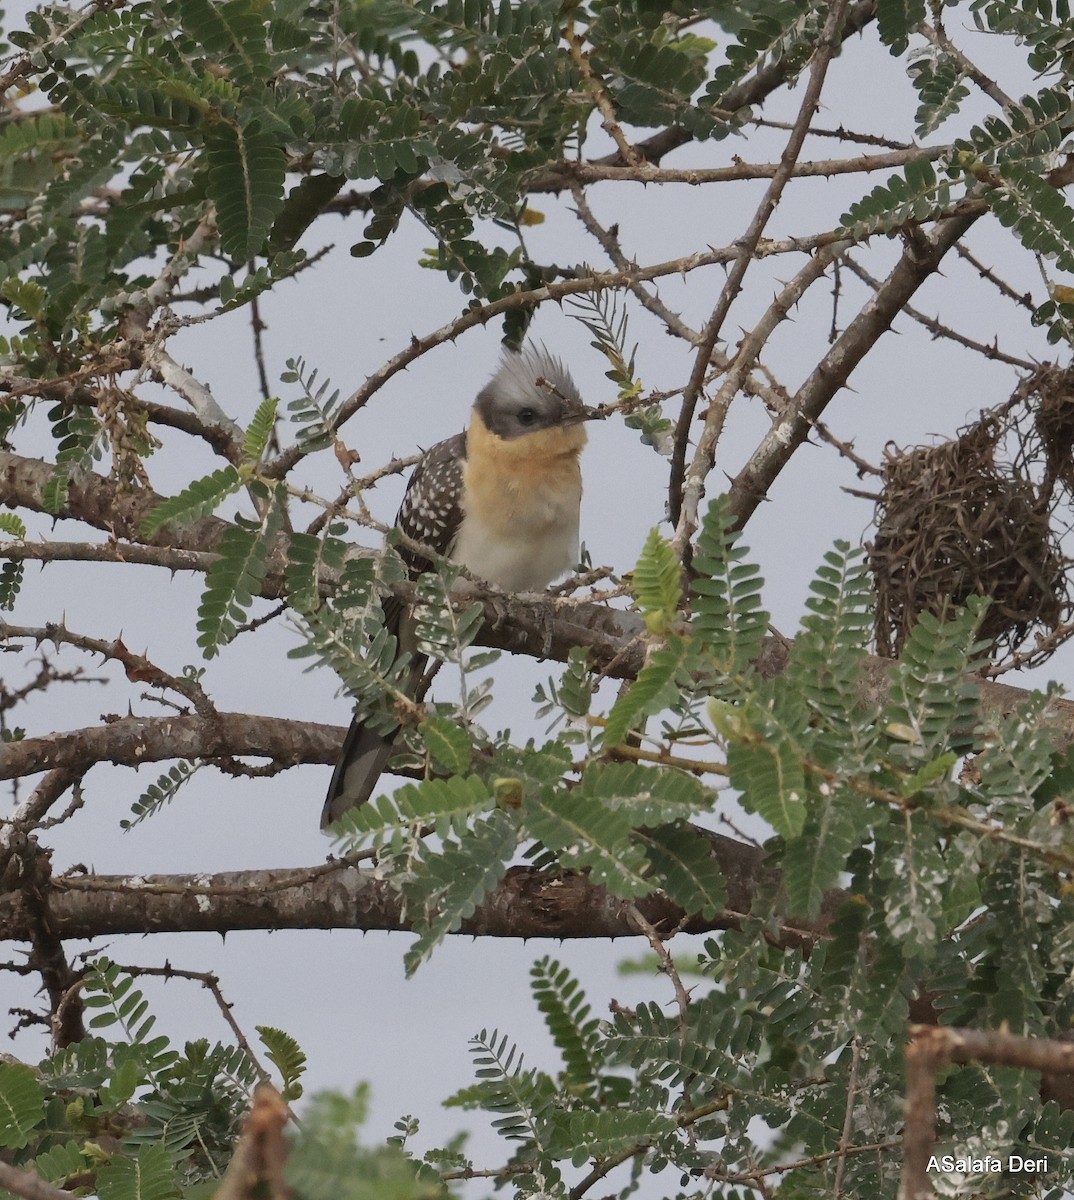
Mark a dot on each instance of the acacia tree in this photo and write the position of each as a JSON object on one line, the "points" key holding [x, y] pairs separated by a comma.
{"points": [[164, 165]]}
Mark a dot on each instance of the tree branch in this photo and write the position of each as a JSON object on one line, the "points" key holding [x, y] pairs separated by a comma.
{"points": [[920, 259], [527, 903], [682, 508], [29, 1185], [132, 741]]}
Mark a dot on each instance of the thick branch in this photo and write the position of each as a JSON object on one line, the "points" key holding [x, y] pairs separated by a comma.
{"points": [[30, 1185], [931, 1048], [613, 638], [132, 741], [99, 502], [920, 259], [528, 903]]}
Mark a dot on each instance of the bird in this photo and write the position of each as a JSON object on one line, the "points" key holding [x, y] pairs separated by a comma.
{"points": [[501, 499]]}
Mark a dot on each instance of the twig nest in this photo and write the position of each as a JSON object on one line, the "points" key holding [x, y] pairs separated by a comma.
{"points": [[1053, 419], [954, 521]]}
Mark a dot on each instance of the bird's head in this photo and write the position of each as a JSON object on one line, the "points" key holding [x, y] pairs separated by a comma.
{"points": [[530, 392]]}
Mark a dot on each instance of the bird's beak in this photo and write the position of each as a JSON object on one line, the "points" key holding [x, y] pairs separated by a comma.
{"points": [[581, 412]]}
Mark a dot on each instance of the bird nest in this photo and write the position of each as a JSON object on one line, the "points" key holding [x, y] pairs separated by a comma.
{"points": [[982, 515]]}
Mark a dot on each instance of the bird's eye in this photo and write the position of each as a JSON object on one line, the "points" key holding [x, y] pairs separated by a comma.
{"points": [[527, 416]]}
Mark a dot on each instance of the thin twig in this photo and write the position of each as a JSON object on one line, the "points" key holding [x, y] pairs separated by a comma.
{"points": [[939, 330], [846, 449], [939, 38], [1025, 300], [667, 965], [678, 507], [745, 358], [848, 1119], [211, 983], [595, 86], [918, 262], [137, 668], [579, 173], [257, 328], [609, 242], [280, 466], [814, 1160], [840, 134], [684, 1121]]}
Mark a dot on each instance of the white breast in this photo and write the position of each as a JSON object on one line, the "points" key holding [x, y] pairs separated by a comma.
{"points": [[539, 546]]}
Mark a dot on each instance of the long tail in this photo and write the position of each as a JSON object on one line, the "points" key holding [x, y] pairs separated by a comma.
{"points": [[365, 754], [363, 758]]}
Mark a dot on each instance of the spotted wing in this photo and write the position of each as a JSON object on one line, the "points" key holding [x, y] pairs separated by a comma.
{"points": [[431, 512]]}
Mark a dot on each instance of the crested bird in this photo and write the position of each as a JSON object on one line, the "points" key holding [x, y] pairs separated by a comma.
{"points": [[502, 500]]}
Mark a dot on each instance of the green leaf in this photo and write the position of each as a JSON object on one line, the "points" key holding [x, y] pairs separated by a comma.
{"points": [[448, 743], [770, 33], [934, 771], [82, 440], [576, 685], [658, 583], [656, 687], [158, 794], [198, 500], [773, 783], [765, 755], [939, 80], [288, 1058], [148, 1175], [587, 1136], [235, 293], [931, 696], [22, 1105], [260, 430], [730, 622], [233, 33], [11, 576], [13, 525], [574, 1030], [608, 326], [917, 195], [827, 664], [445, 804], [814, 862], [312, 560], [326, 1161], [349, 636], [450, 885], [916, 873], [684, 869], [520, 1097], [1017, 751], [586, 834], [1037, 212], [60, 1163], [316, 410], [245, 182], [647, 795], [441, 629], [236, 577], [1028, 134], [897, 19]]}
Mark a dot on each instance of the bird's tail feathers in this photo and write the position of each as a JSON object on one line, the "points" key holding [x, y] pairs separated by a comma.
{"points": [[364, 756]]}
